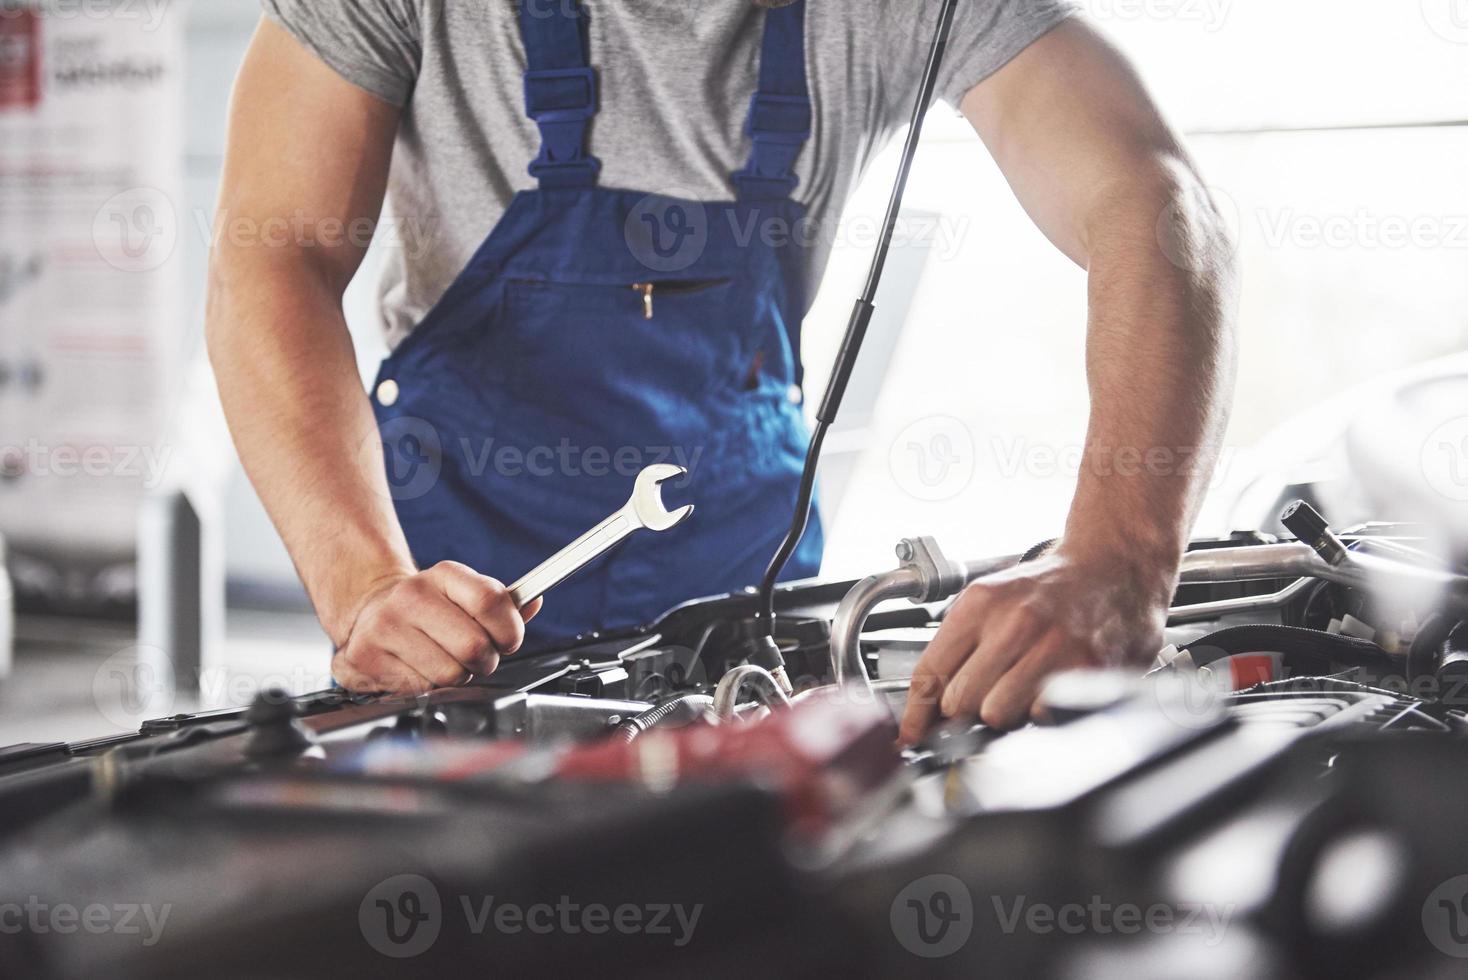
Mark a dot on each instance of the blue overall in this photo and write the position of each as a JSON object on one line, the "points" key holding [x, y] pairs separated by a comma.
{"points": [[597, 331]]}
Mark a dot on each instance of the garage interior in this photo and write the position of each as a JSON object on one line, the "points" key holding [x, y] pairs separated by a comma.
{"points": [[1290, 765]]}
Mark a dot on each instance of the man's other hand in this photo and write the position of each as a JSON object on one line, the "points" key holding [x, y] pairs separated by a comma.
{"points": [[1005, 635]]}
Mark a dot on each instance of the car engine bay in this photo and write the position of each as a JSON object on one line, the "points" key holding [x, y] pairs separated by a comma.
{"points": [[1277, 798], [723, 792]]}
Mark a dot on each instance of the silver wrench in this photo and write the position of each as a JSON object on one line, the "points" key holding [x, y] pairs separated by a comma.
{"points": [[644, 511]]}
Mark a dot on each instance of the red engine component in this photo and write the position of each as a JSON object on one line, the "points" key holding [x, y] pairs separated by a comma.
{"points": [[821, 757]]}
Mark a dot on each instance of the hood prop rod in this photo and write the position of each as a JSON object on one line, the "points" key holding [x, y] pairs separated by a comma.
{"points": [[763, 650]]}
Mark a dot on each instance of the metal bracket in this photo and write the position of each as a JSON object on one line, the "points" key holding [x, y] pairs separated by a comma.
{"points": [[941, 577]]}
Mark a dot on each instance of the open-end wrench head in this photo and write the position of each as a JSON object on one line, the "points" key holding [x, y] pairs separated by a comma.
{"points": [[647, 498]]}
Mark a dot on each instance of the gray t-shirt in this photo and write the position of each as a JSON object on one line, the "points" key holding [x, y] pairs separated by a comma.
{"points": [[676, 77]]}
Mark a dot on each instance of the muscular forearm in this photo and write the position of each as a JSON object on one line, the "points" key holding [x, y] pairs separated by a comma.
{"points": [[1160, 363], [288, 378], [301, 421], [1109, 183]]}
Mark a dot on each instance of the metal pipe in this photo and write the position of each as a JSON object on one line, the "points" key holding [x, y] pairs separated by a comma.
{"points": [[731, 689], [981, 567], [1372, 573], [1399, 549], [906, 582], [1250, 563], [851, 616], [1199, 612]]}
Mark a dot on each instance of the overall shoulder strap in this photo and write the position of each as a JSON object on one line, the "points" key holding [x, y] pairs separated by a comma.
{"points": [[780, 112], [560, 91]]}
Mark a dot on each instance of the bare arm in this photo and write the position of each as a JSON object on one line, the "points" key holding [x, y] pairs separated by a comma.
{"points": [[1109, 183], [305, 173]]}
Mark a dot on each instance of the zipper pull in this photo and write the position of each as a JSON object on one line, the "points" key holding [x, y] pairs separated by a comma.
{"points": [[645, 288]]}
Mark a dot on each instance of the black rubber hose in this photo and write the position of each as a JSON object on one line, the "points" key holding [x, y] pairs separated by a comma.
{"points": [[1310, 651], [686, 708]]}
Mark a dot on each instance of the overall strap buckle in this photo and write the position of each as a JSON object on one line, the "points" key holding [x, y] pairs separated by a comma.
{"points": [[780, 114], [561, 93], [562, 101], [779, 118]]}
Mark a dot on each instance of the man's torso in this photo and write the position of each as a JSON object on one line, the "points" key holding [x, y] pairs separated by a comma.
{"points": [[675, 78]]}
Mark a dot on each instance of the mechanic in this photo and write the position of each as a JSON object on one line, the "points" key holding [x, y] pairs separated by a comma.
{"points": [[600, 325]]}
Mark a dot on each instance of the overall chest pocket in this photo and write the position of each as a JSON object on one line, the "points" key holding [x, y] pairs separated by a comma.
{"points": [[641, 341]]}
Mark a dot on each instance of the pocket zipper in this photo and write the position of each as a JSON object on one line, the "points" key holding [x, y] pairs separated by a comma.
{"points": [[647, 289]]}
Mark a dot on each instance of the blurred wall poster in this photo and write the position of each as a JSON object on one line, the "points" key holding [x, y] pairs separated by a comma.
{"points": [[91, 136]]}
